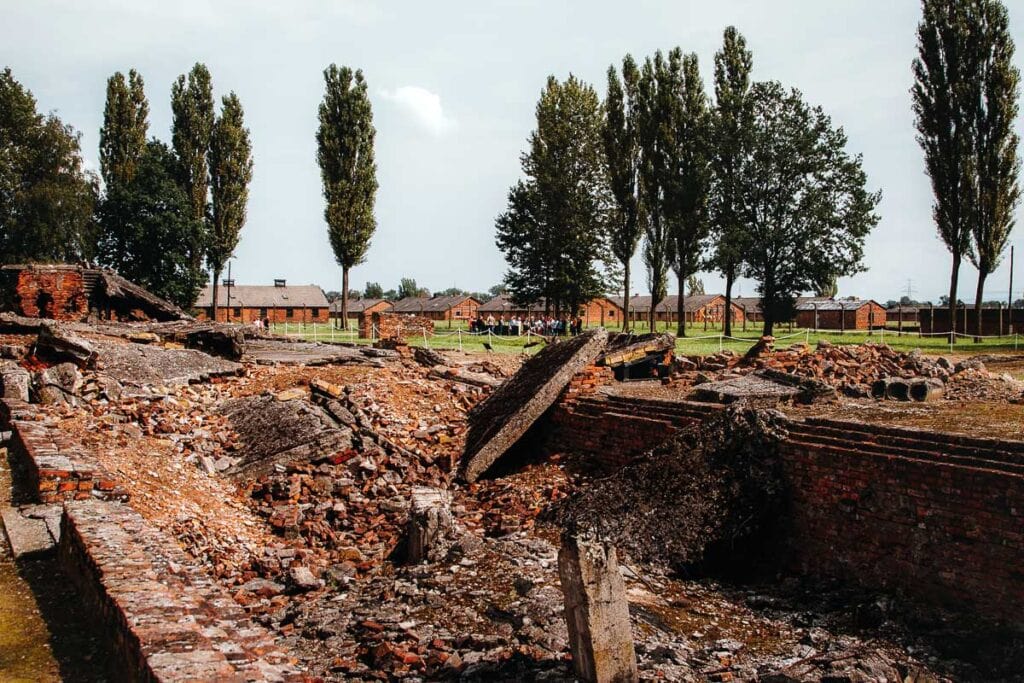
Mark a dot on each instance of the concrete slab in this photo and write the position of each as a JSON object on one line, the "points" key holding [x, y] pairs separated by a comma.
{"points": [[25, 534]]}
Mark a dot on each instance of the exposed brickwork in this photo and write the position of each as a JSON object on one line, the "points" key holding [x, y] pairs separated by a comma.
{"points": [[868, 316], [937, 517], [57, 293], [615, 430], [57, 468], [587, 382], [394, 325], [169, 621], [246, 314]]}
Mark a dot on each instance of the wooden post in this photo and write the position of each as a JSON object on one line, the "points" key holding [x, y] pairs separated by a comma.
{"points": [[596, 611], [430, 523]]}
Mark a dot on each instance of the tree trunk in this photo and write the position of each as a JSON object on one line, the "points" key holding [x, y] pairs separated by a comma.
{"points": [[727, 321], [977, 306], [952, 298], [625, 298], [216, 277], [769, 325], [344, 298], [681, 308]]}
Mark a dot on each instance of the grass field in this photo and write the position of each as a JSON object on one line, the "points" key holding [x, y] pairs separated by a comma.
{"points": [[697, 342]]}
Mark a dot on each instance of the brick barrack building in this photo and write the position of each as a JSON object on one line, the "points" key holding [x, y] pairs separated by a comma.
{"points": [[280, 302], [438, 307], [599, 311]]}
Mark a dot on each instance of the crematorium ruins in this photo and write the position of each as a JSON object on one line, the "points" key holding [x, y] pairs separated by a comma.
{"points": [[197, 501]]}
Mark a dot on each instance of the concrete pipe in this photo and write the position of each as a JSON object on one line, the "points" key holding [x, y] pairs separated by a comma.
{"points": [[878, 388], [926, 390], [897, 390]]}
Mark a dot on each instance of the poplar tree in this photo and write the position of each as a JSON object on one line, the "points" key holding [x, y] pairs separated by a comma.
{"points": [[622, 152], [230, 174], [995, 149], [804, 200], [688, 186], [945, 95], [193, 116], [347, 168], [731, 128], [660, 82], [553, 234], [125, 123]]}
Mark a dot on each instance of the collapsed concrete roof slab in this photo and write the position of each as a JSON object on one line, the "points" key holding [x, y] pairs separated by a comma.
{"points": [[279, 429], [624, 349], [500, 422]]}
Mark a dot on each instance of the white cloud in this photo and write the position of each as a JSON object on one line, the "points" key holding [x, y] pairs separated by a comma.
{"points": [[423, 105]]}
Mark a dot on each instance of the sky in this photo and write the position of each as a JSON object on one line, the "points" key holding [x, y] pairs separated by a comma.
{"points": [[453, 87]]}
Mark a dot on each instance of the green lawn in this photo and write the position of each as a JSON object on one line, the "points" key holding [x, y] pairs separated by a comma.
{"points": [[697, 342]]}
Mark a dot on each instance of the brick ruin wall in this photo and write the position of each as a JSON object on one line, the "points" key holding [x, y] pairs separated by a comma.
{"points": [[394, 326], [57, 294], [166, 619], [935, 517], [945, 529]]}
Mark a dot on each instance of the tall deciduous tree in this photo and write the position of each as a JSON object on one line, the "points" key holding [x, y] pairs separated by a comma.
{"points": [[553, 233], [946, 93], [345, 153], [230, 174], [658, 91], [125, 123], [688, 185], [46, 196], [731, 128], [150, 235], [803, 198], [193, 117], [622, 151], [995, 148]]}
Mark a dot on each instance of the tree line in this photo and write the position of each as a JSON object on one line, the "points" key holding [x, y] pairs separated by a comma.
{"points": [[162, 213], [966, 96], [168, 216], [755, 183]]}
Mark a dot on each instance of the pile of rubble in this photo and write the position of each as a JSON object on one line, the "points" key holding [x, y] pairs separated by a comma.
{"points": [[853, 370]]}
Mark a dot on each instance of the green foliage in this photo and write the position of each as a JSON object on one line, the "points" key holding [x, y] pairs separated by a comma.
{"points": [[407, 288], [730, 142], [497, 290], [46, 197], [150, 235], [192, 127], [452, 291], [688, 180], [553, 231], [230, 174], [373, 291], [660, 83], [125, 122], [622, 151], [829, 287], [345, 153], [694, 286], [804, 200]]}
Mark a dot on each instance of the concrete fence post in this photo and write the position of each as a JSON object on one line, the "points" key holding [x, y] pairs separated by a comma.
{"points": [[596, 611]]}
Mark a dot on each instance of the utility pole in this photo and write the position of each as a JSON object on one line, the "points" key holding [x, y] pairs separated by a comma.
{"points": [[1009, 296]]}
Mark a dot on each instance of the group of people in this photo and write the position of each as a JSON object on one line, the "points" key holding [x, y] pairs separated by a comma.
{"points": [[515, 326]]}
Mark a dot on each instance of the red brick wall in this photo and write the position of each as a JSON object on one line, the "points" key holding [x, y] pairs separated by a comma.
{"points": [[860, 319], [942, 532], [246, 314], [395, 325], [936, 517], [58, 294], [464, 311]]}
